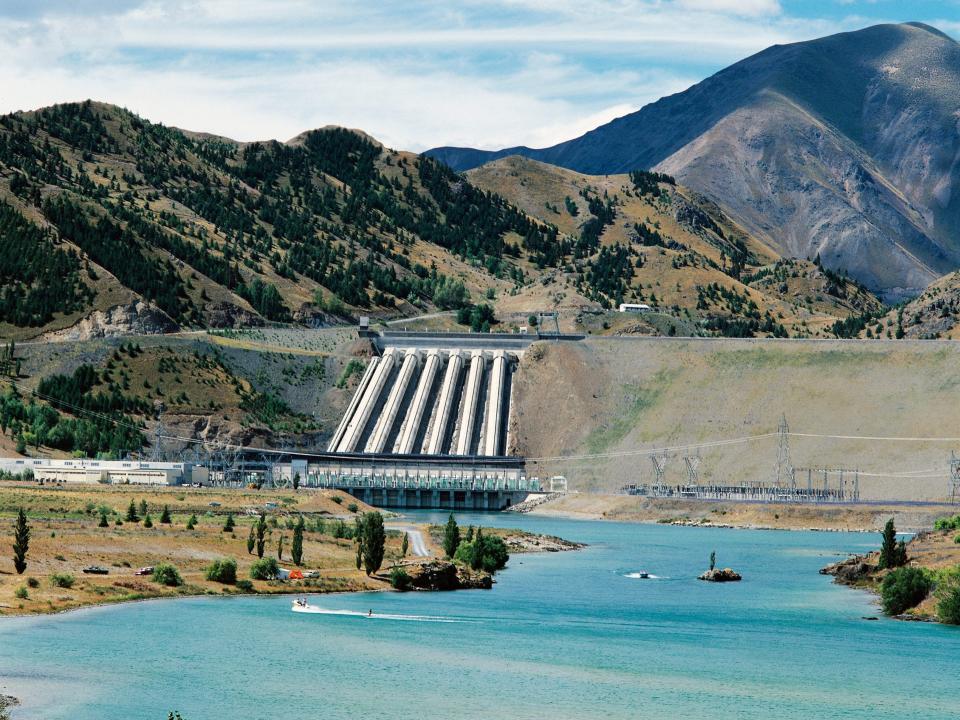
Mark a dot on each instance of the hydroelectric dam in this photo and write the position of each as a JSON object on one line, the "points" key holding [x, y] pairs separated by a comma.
{"points": [[428, 425]]}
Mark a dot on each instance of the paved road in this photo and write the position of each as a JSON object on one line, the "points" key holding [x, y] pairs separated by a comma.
{"points": [[418, 547]]}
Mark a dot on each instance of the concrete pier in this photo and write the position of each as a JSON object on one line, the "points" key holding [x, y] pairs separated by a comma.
{"points": [[415, 415], [468, 410], [381, 431], [494, 419], [445, 403], [358, 422], [354, 402]]}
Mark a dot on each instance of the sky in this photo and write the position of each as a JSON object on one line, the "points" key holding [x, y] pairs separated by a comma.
{"points": [[415, 74]]}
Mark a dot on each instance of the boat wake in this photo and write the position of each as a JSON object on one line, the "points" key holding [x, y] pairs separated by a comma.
{"points": [[314, 610], [643, 576]]}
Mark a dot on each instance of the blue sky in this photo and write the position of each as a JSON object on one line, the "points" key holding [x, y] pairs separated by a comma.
{"points": [[485, 73]]}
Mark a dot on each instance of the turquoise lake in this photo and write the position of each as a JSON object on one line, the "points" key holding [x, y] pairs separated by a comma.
{"points": [[561, 635]]}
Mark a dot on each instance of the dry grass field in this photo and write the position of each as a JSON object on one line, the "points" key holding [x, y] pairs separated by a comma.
{"points": [[65, 538]]}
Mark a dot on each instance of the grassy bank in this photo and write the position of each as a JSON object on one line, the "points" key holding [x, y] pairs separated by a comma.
{"points": [[922, 584], [75, 527]]}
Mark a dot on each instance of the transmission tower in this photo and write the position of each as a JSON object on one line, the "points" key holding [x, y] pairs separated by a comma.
{"points": [[158, 455], [954, 477], [693, 468], [783, 472], [659, 461]]}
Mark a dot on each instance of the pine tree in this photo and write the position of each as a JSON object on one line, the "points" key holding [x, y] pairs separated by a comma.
{"points": [[476, 557], [21, 542], [451, 537], [261, 535], [148, 521], [192, 522], [132, 513], [103, 519], [405, 546], [713, 557], [296, 549], [374, 542], [888, 549], [280, 547], [296, 480], [143, 507], [165, 515], [251, 541], [229, 524]]}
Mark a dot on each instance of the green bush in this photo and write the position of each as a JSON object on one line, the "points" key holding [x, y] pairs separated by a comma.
{"points": [[264, 569], [21, 593], [353, 507], [33, 582], [948, 601], [948, 523], [62, 580], [486, 552], [223, 571], [148, 521], [337, 499], [956, 539], [903, 589], [167, 574], [400, 579], [245, 585]]}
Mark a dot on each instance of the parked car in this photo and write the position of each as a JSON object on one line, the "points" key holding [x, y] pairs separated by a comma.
{"points": [[148, 570], [214, 504], [96, 570]]}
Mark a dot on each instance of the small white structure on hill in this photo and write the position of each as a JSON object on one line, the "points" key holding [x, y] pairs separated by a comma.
{"points": [[635, 307]]}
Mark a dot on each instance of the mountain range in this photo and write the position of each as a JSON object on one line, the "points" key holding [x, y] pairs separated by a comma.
{"points": [[111, 224], [845, 147]]}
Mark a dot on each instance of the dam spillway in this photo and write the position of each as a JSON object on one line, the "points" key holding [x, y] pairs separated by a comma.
{"points": [[430, 401]]}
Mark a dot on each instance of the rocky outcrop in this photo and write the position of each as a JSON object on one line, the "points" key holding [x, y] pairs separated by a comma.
{"points": [[851, 571], [718, 575], [446, 575], [228, 315], [136, 318], [523, 542]]}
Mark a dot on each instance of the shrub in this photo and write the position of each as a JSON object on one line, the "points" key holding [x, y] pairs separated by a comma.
{"points": [[948, 523], [165, 515], [21, 593], [33, 582], [229, 525], [337, 499], [353, 507], [903, 589], [264, 569], [148, 521], [192, 522], [948, 601], [400, 579], [167, 574], [103, 521], [486, 552], [245, 585], [62, 580], [223, 571]]}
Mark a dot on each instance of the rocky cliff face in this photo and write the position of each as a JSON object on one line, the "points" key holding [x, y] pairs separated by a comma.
{"points": [[136, 318], [846, 146]]}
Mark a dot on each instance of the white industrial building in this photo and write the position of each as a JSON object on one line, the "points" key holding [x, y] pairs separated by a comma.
{"points": [[108, 472]]}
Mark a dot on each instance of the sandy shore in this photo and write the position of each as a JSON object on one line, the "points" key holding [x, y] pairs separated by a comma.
{"points": [[702, 513]]}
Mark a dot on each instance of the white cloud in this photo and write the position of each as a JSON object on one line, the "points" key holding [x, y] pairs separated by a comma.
{"points": [[485, 73]]}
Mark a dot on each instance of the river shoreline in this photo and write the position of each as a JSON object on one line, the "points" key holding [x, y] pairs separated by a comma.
{"points": [[861, 518]]}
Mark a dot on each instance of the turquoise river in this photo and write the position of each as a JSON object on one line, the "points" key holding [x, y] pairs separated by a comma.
{"points": [[566, 635]]}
